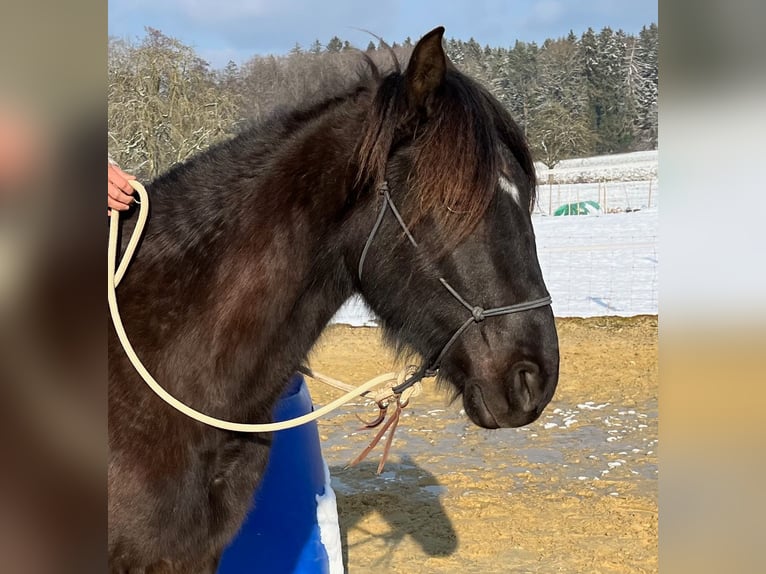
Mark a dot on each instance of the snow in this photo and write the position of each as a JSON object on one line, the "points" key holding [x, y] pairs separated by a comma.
{"points": [[641, 165], [600, 265], [593, 265], [329, 531], [605, 161]]}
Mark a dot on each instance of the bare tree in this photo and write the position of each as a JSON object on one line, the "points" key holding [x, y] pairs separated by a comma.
{"points": [[270, 82], [556, 133], [165, 104]]}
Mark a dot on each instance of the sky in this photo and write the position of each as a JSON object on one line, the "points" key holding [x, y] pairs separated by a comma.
{"points": [[223, 30]]}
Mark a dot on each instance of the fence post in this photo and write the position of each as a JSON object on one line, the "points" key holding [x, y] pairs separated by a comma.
{"points": [[550, 193]]}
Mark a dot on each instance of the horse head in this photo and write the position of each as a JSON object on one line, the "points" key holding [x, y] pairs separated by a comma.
{"points": [[450, 263]]}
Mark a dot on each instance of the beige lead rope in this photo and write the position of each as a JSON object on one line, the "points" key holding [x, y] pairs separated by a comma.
{"points": [[114, 279]]}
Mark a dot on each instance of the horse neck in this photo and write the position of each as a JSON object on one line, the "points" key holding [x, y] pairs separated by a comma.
{"points": [[241, 302]]}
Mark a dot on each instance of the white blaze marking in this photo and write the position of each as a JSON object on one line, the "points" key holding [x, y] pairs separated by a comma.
{"points": [[510, 188]]}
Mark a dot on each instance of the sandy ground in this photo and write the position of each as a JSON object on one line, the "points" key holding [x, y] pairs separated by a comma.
{"points": [[574, 492]]}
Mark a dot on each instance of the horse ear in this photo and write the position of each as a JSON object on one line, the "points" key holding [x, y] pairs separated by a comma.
{"points": [[427, 67]]}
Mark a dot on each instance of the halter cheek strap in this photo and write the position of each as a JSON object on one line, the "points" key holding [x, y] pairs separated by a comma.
{"points": [[478, 314], [386, 202]]}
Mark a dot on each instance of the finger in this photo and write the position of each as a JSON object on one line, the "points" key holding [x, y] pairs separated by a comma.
{"points": [[119, 182], [119, 206], [120, 179], [118, 194]]}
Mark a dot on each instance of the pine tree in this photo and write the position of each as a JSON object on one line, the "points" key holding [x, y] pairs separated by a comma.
{"points": [[335, 45], [603, 59], [560, 74], [316, 47], [522, 75], [474, 63], [647, 90], [229, 77], [500, 80], [455, 51], [589, 62]]}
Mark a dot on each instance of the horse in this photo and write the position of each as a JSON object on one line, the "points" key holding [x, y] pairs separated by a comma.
{"points": [[412, 188]]}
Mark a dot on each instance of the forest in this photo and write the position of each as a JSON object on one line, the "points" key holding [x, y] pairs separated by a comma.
{"points": [[573, 96]]}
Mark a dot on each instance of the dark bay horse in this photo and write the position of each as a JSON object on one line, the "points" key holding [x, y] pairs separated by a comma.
{"points": [[253, 245]]}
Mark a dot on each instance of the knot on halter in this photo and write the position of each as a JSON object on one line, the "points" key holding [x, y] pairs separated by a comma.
{"points": [[478, 314]]}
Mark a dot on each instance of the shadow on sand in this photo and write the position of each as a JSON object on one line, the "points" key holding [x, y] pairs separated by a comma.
{"points": [[406, 497]]}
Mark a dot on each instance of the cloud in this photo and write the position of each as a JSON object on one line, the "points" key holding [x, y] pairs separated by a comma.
{"points": [[548, 12]]}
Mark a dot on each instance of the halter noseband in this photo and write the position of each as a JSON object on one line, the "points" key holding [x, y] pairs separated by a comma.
{"points": [[478, 314]]}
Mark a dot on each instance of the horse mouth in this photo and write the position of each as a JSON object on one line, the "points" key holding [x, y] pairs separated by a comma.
{"points": [[476, 408], [513, 407]]}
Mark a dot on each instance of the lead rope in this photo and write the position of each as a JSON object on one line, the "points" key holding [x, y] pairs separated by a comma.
{"points": [[113, 280]]}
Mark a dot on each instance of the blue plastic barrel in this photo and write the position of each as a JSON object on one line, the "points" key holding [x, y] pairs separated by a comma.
{"points": [[293, 526]]}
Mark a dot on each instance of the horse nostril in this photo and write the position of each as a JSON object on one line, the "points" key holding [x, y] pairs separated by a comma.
{"points": [[526, 385], [521, 385]]}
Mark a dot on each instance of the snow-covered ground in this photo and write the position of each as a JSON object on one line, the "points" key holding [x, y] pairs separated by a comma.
{"points": [[640, 165], [593, 265], [600, 264]]}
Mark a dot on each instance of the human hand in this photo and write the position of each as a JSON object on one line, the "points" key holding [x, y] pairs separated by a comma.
{"points": [[120, 192]]}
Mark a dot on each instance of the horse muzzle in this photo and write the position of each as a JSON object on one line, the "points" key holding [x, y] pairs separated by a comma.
{"points": [[515, 400]]}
